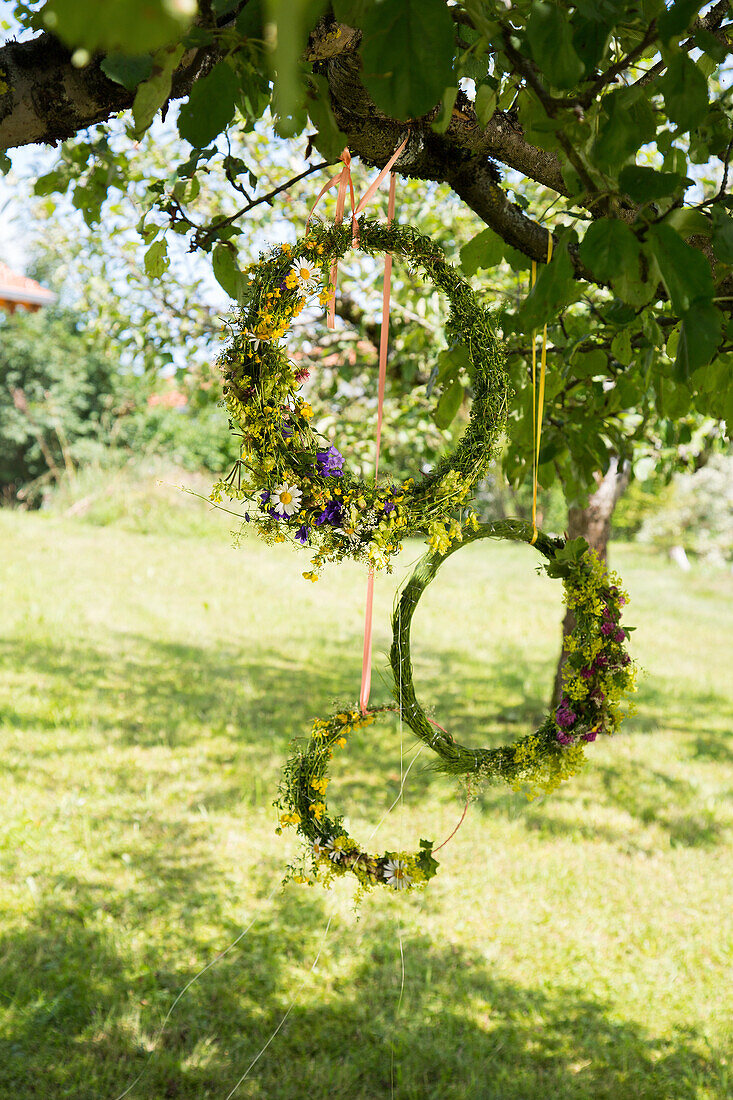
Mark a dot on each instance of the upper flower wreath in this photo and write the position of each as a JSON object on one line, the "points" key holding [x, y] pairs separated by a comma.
{"points": [[298, 482]]}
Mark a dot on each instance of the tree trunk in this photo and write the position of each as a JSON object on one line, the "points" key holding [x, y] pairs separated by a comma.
{"points": [[593, 523]]}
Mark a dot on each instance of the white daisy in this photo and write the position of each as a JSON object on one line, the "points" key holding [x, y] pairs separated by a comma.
{"points": [[286, 499], [395, 874], [332, 851], [306, 275], [318, 849]]}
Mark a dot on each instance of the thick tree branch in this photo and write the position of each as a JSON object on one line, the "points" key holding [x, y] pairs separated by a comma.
{"points": [[49, 99], [462, 156]]}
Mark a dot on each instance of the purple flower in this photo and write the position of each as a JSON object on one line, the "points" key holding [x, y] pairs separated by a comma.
{"points": [[608, 627], [330, 462], [600, 662], [388, 507], [564, 715], [563, 738], [333, 513], [285, 431], [302, 534], [597, 696], [246, 517], [265, 496], [590, 735], [625, 659], [619, 635], [586, 673]]}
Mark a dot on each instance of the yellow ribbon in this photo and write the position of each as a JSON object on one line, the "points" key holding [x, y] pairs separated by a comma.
{"points": [[538, 404]]}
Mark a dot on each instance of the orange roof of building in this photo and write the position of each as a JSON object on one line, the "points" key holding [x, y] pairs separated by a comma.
{"points": [[20, 290]]}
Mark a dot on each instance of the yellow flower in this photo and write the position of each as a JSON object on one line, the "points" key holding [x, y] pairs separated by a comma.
{"points": [[318, 809], [306, 410], [290, 819]]}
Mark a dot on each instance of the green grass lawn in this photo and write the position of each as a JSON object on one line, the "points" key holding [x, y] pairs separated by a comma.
{"points": [[576, 947]]}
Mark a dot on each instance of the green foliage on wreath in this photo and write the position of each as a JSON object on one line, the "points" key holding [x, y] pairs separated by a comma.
{"points": [[331, 851], [598, 672], [300, 484]]}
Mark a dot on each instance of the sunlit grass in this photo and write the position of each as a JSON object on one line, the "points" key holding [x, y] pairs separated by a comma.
{"points": [[578, 947]]}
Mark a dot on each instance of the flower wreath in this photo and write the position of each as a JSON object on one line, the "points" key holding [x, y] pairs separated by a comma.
{"points": [[298, 482], [331, 851], [598, 671]]}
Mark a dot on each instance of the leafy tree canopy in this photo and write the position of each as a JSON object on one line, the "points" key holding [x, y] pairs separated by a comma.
{"points": [[607, 125]]}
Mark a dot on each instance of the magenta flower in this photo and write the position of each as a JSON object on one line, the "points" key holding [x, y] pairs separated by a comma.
{"points": [[564, 715]]}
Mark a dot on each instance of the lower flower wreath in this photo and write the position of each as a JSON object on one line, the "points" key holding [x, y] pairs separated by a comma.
{"points": [[331, 851], [597, 674], [598, 671]]}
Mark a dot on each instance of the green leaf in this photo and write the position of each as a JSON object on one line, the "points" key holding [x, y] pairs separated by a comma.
{"points": [[555, 288], [685, 92], [448, 405], [226, 270], [130, 26], [483, 251], [328, 139], [710, 44], [351, 12], [293, 21], [485, 104], [590, 39], [673, 22], [550, 37], [689, 222], [588, 364], [129, 71], [5, 163], [451, 362], [156, 259], [442, 121], [647, 185], [627, 122], [722, 235], [700, 336], [407, 54], [57, 180], [621, 347], [608, 247], [210, 106], [685, 272], [152, 94]]}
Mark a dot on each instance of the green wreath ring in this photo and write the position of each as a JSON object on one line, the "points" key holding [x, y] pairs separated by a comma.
{"points": [[298, 482], [598, 671], [331, 851]]}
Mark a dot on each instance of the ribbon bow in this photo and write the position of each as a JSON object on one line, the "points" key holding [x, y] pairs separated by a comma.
{"points": [[344, 181]]}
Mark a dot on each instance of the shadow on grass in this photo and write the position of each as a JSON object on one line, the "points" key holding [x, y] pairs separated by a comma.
{"points": [[462, 1032], [254, 699]]}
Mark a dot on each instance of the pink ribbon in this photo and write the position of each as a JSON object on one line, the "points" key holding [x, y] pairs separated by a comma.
{"points": [[366, 664], [343, 180]]}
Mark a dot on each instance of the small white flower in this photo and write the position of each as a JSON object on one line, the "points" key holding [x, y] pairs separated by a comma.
{"points": [[318, 849], [395, 874], [253, 341], [286, 499], [307, 276], [332, 851]]}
